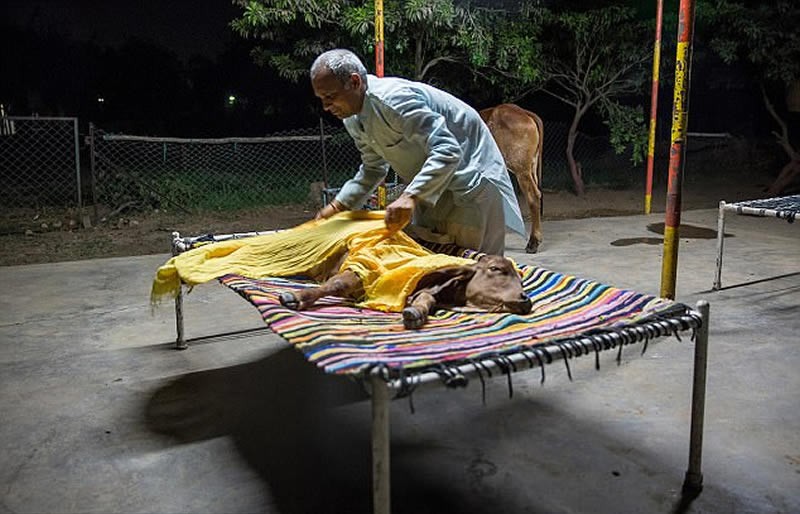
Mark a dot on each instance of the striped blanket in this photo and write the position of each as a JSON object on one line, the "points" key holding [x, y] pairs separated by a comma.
{"points": [[344, 339]]}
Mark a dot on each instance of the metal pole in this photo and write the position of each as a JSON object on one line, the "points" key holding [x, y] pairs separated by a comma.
{"points": [[651, 140], [693, 482], [324, 157], [93, 169], [379, 61], [680, 118], [720, 242], [77, 162], [381, 479]]}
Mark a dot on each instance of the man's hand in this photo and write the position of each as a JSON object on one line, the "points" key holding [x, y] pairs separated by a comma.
{"points": [[329, 210], [398, 213]]}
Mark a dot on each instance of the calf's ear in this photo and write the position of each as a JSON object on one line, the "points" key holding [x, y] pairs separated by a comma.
{"points": [[446, 284], [449, 274]]}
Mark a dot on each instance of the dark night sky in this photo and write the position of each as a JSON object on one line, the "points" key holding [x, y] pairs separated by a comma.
{"points": [[184, 26]]}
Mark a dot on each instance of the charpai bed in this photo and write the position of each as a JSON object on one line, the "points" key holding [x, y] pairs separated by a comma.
{"points": [[571, 317], [784, 207]]}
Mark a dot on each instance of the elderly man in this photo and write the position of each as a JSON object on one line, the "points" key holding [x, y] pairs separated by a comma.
{"points": [[456, 180]]}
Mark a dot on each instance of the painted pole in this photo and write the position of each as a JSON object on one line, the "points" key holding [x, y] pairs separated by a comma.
{"points": [[379, 38], [677, 151], [379, 73], [651, 140]]}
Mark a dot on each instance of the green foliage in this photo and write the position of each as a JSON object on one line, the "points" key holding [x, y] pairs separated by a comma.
{"points": [[766, 36], [625, 125], [496, 45], [293, 32], [594, 58], [200, 190]]}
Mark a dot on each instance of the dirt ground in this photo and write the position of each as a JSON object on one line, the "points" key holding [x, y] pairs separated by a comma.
{"points": [[28, 236]]}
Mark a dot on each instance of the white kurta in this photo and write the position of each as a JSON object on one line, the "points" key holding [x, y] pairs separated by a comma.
{"points": [[438, 145]]}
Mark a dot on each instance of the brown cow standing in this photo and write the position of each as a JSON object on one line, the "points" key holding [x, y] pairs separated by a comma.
{"points": [[519, 134]]}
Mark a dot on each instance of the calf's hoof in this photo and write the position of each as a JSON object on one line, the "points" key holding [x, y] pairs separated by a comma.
{"points": [[533, 247], [413, 317], [289, 300]]}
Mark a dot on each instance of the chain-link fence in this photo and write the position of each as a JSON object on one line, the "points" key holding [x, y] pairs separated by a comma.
{"points": [[284, 168], [39, 162], [219, 174], [40, 166], [600, 164]]}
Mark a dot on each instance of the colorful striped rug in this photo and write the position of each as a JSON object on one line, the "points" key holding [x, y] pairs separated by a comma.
{"points": [[343, 339]]}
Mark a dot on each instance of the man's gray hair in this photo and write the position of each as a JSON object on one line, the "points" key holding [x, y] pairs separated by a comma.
{"points": [[342, 64]]}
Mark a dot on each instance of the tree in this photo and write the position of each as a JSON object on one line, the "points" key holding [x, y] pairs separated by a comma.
{"points": [[766, 39], [594, 59], [422, 35]]}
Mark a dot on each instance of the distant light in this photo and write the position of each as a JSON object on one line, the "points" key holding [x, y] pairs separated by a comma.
{"points": [[231, 99], [100, 99]]}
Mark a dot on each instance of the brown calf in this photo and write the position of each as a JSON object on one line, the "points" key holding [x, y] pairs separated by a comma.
{"points": [[491, 284], [519, 135]]}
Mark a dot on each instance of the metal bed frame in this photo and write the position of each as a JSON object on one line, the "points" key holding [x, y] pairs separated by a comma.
{"points": [[744, 208], [383, 387]]}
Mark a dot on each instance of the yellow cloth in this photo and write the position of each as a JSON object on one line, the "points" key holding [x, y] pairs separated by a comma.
{"points": [[389, 265]]}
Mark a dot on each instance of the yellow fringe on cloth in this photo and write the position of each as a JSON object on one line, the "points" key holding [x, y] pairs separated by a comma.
{"points": [[389, 265]]}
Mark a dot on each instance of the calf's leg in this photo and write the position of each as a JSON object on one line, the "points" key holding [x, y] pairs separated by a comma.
{"points": [[415, 315], [345, 284]]}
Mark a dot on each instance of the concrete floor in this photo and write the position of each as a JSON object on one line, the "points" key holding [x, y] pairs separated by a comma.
{"points": [[100, 414]]}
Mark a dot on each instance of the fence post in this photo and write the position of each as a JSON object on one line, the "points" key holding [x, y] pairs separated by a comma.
{"points": [[77, 162], [324, 157], [93, 170]]}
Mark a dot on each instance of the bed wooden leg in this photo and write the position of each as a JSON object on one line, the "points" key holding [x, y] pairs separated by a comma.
{"points": [[381, 496], [693, 482], [720, 242]]}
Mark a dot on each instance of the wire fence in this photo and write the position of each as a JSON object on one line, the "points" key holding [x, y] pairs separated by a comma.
{"points": [[40, 165], [39, 162], [218, 174], [293, 167]]}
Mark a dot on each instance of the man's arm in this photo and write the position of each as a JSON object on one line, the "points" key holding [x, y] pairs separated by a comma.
{"points": [[421, 124], [354, 192], [329, 210], [373, 169]]}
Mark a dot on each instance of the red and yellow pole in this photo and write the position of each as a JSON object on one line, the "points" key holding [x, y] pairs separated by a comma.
{"points": [[651, 141], [379, 38], [677, 151], [379, 73]]}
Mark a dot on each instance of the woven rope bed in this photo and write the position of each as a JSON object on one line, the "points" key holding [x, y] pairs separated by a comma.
{"points": [[571, 317], [783, 207]]}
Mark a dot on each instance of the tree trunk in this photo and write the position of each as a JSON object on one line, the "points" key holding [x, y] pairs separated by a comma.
{"points": [[786, 178], [418, 60], [574, 166], [792, 170]]}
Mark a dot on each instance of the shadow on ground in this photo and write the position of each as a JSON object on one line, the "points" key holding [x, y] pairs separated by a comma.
{"points": [[307, 435]]}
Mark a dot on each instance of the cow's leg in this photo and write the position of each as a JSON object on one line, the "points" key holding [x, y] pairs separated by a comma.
{"points": [[415, 315], [342, 284], [528, 182]]}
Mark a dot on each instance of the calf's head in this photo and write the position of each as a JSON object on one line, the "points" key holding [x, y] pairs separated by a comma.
{"points": [[490, 285], [496, 286]]}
